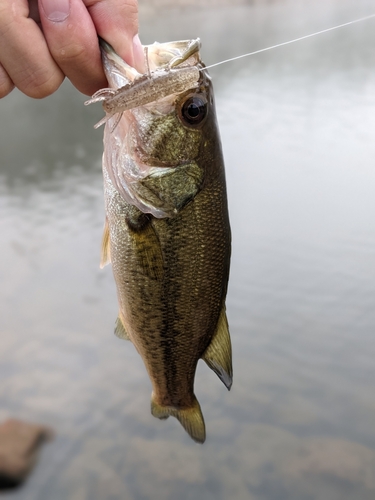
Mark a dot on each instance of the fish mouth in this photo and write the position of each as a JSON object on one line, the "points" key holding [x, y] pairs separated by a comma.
{"points": [[172, 68], [158, 56]]}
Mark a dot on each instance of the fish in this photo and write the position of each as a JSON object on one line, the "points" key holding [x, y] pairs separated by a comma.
{"points": [[167, 230]]}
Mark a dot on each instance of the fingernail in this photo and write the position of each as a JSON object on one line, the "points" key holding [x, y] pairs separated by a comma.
{"points": [[138, 54], [56, 10]]}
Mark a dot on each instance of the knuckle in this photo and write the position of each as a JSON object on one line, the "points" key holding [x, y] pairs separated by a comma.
{"points": [[5, 88], [128, 12], [129, 8], [6, 84], [123, 15], [6, 20], [40, 84], [71, 54]]}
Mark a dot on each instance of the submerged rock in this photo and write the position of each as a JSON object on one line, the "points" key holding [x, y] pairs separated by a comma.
{"points": [[19, 446]]}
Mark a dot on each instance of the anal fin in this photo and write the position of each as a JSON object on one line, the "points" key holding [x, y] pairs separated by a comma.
{"points": [[105, 255], [218, 354], [120, 331]]}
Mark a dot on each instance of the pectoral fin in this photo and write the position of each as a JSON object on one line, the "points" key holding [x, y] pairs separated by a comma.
{"points": [[218, 354], [120, 331], [191, 418], [105, 257]]}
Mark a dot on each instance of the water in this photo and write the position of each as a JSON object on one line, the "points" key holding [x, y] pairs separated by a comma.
{"points": [[297, 128]]}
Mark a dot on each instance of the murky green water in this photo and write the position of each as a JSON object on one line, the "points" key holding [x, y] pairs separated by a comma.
{"points": [[298, 127]]}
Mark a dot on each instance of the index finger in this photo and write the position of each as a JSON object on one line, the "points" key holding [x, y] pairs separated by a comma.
{"points": [[24, 53]]}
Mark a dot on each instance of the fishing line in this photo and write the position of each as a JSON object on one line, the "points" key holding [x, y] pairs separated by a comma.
{"points": [[291, 41]]}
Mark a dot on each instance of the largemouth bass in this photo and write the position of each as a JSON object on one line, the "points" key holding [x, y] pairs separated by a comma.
{"points": [[167, 229]]}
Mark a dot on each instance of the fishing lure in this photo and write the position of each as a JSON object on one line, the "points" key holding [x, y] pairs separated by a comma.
{"points": [[144, 89]]}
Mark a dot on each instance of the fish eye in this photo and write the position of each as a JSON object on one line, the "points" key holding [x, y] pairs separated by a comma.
{"points": [[194, 110]]}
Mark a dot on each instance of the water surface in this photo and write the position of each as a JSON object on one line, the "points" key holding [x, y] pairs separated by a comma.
{"points": [[297, 128]]}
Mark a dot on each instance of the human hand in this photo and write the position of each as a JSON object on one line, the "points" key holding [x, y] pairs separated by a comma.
{"points": [[42, 41]]}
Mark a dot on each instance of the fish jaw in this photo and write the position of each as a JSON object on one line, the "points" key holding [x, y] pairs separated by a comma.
{"points": [[117, 71]]}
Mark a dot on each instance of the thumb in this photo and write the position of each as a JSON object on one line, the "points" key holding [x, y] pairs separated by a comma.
{"points": [[116, 21]]}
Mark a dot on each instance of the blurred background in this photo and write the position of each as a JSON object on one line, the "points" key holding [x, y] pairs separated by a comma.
{"points": [[297, 126]]}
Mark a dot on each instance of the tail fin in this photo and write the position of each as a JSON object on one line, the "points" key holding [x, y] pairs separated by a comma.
{"points": [[191, 418]]}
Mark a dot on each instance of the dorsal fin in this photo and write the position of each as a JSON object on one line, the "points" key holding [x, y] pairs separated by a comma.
{"points": [[105, 255], [218, 354]]}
